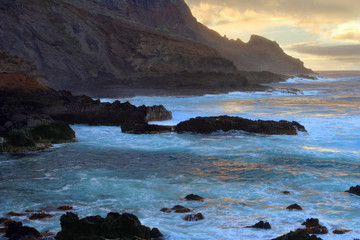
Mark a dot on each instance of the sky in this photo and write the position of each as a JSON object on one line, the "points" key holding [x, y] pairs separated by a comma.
{"points": [[324, 34]]}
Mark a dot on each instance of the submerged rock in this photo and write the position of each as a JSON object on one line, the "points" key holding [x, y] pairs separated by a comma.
{"points": [[261, 225], [176, 209], [226, 123], [298, 234], [194, 197], [294, 207], [341, 231], [65, 208], [194, 217], [354, 190], [15, 214], [40, 216], [115, 225]]}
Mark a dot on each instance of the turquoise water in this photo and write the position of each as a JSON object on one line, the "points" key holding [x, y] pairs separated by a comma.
{"points": [[241, 175]]}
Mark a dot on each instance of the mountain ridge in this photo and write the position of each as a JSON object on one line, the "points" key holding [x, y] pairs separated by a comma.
{"points": [[98, 46]]}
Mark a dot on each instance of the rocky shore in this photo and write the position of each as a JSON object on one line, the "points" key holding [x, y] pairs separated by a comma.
{"points": [[128, 226], [33, 117]]}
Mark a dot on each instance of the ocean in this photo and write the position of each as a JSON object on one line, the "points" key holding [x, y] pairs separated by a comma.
{"points": [[242, 176]]}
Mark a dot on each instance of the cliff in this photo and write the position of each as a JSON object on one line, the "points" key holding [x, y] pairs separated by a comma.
{"points": [[116, 48], [259, 54]]}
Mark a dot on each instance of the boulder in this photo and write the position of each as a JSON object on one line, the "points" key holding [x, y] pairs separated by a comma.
{"points": [[298, 234], [194, 217], [261, 225], [16, 230], [354, 190], [226, 123], [115, 225], [314, 227], [294, 207], [194, 197]]}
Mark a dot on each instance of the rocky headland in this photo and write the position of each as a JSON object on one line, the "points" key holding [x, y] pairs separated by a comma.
{"points": [[33, 117], [127, 48]]}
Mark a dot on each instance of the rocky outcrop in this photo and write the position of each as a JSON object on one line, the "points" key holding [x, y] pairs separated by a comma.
{"points": [[114, 226], [314, 227], [194, 197], [226, 123], [194, 217], [299, 234], [125, 48], [16, 230], [261, 225], [354, 190], [294, 207], [33, 117]]}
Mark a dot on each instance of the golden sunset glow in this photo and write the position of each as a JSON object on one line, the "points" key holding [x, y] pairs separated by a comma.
{"points": [[323, 34]]}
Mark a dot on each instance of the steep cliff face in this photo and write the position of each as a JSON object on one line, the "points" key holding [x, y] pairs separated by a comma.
{"points": [[110, 47], [85, 48], [259, 54]]}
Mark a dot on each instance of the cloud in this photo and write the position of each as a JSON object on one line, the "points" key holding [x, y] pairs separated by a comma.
{"points": [[331, 51], [349, 31], [304, 12]]}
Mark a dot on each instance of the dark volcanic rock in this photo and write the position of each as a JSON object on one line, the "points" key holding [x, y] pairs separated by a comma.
{"points": [[261, 224], [115, 225], [144, 128], [194, 197], [16, 230], [294, 207], [15, 214], [341, 231], [33, 117], [355, 190], [299, 234], [65, 208], [226, 123], [194, 217], [40, 216], [176, 209], [314, 227]]}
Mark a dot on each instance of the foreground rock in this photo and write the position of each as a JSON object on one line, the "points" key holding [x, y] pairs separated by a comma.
{"points": [[354, 190], [226, 123], [16, 230], [299, 234], [114, 226]]}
